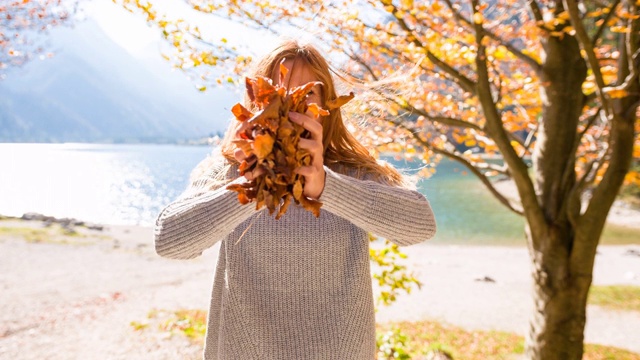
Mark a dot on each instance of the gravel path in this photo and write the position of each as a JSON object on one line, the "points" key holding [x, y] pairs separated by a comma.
{"points": [[77, 300]]}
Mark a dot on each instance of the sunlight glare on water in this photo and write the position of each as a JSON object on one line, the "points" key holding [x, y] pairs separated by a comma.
{"points": [[116, 184]]}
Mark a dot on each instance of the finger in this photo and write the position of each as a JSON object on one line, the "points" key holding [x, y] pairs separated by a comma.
{"points": [[306, 171], [239, 155], [314, 147], [240, 133], [314, 127]]}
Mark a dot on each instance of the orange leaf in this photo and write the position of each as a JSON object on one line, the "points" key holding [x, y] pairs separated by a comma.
{"points": [[316, 110], [620, 29], [297, 190], [615, 93], [241, 113], [248, 83], [285, 130], [311, 205], [283, 71], [299, 92], [270, 141], [247, 163], [245, 145], [341, 100], [242, 197], [260, 90], [478, 18], [262, 145], [270, 116], [284, 206]]}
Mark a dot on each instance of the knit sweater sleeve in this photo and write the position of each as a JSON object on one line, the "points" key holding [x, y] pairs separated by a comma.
{"points": [[400, 215], [203, 215]]}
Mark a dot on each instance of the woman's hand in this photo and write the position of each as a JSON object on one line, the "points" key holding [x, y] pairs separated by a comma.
{"points": [[314, 174]]}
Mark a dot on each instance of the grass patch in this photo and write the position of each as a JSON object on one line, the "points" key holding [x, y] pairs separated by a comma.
{"points": [[620, 235], [54, 234], [424, 336], [619, 297], [402, 340], [191, 323]]}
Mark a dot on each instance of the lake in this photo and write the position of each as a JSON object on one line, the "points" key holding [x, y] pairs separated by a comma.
{"points": [[130, 184]]}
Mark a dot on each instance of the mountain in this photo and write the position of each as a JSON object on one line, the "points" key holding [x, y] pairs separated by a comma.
{"points": [[93, 90]]}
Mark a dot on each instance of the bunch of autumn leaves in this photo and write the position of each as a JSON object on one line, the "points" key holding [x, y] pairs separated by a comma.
{"points": [[269, 140]]}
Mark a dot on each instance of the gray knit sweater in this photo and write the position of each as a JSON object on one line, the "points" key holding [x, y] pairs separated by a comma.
{"points": [[298, 287]]}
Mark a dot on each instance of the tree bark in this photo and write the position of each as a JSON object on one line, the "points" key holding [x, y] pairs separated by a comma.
{"points": [[560, 299]]}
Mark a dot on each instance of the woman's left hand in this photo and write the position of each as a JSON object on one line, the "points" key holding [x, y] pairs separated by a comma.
{"points": [[314, 174]]}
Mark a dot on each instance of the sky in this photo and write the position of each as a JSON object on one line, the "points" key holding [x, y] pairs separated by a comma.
{"points": [[143, 41]]}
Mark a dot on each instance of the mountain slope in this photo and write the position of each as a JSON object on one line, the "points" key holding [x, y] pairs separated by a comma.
{"points": [[93, 90]]}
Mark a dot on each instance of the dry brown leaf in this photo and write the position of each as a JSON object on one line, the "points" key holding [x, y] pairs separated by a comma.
{"points": [[316, 110], [245, 145], [270, 142], [262, 145], [297, 190], [341, 100], [241, 113]]}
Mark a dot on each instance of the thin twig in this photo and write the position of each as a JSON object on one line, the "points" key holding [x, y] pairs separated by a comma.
{"points": [[535, 65]]}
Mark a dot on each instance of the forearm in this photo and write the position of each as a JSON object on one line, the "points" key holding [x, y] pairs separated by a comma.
{"points": [[187, 227], [400, 215]]}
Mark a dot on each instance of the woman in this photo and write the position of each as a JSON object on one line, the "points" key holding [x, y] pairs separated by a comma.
{"points": [[298, 287]]}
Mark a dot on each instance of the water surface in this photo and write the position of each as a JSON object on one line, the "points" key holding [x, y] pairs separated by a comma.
{"points": [[130, 184]]}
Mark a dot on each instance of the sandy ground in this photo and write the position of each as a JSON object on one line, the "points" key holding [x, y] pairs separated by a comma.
{"points": [[77, 300], [452, 294]]}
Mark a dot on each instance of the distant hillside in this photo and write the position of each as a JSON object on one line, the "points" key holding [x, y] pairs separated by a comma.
{"points": [[95, 91]]}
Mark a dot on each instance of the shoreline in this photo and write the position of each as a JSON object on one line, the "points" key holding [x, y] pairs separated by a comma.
{"points": [[620, 214], [623, 225]]}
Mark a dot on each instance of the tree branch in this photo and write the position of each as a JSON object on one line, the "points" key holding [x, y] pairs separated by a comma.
{"points": [[449, 120], [359, 60], [466, 163], [590, 123], [535, 65], [494, 127], [585, 44], [612, 10], [569, 202], [440, 119], [573, 203], [466, 83], [535, 9], [454, 76], [620, 144]]}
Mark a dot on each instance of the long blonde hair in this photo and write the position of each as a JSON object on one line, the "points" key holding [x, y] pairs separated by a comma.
{"points": [[342, 152]]}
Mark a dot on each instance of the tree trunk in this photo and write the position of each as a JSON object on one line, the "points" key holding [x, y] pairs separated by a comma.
{"points": [[560, 299], [560, 292]]}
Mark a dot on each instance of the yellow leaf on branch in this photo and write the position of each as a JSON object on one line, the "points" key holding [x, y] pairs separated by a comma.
{"points": [[478, 18], [563, 15], [620, 29], [616, 93]]}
